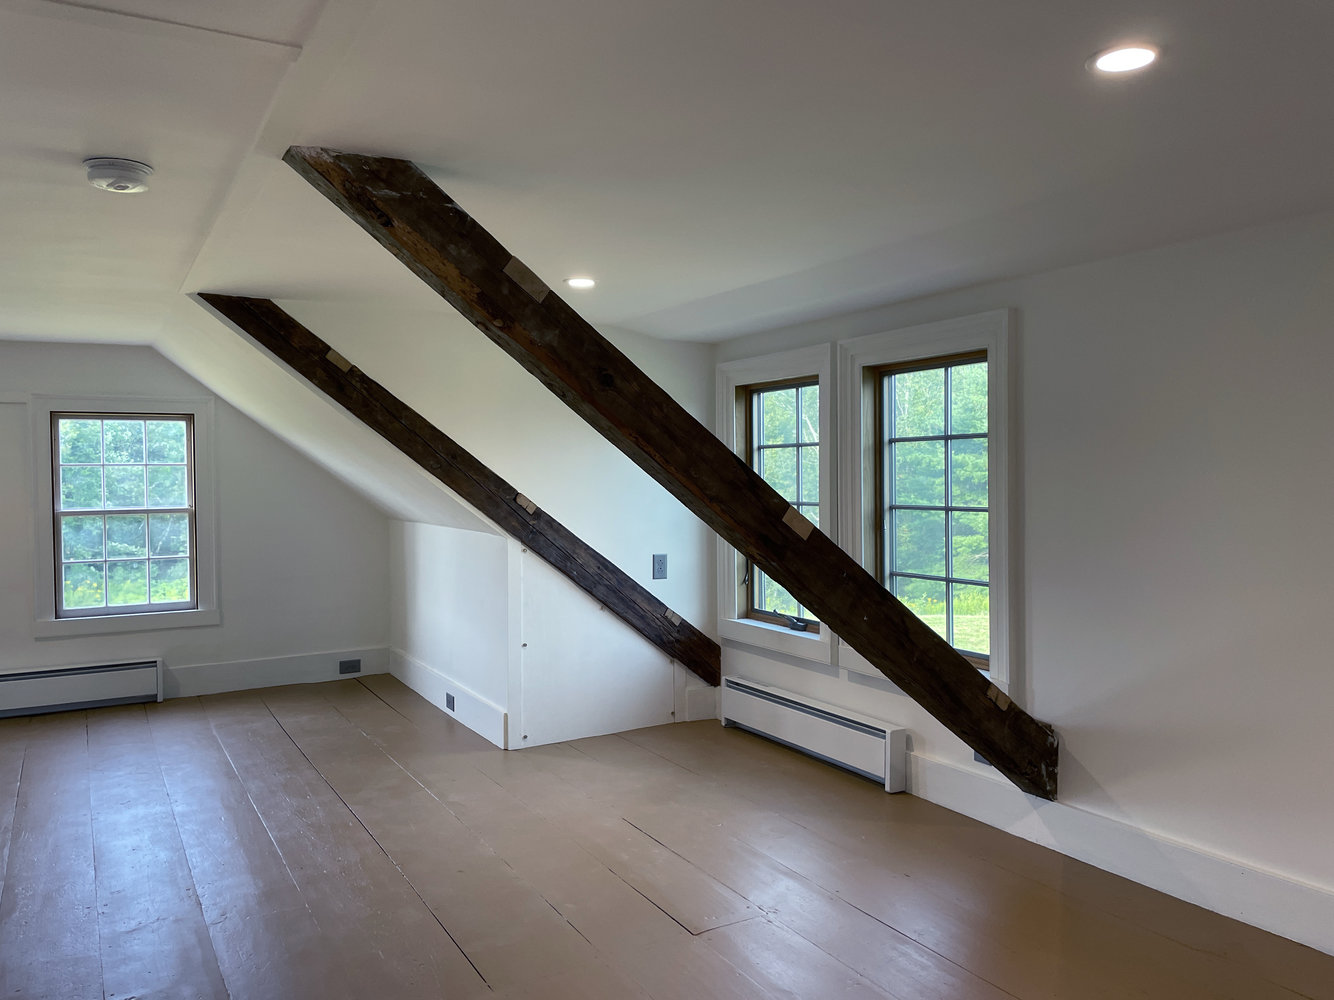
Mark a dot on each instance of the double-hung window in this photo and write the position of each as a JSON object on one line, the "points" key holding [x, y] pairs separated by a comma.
{"points": [[783, 444], [126, 519], [124, 513]]}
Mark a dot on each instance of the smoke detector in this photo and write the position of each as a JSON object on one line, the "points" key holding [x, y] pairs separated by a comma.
{"points": [[118, 175]]}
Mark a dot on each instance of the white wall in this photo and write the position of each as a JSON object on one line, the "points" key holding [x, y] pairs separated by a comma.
{"points": [[524, 652], [527, 656], [450, 373], [584, 672], [303, 560], [530, 658], [1174, 461], [450, 629]]}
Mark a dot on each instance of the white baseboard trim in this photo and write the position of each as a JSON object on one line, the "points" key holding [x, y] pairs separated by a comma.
{"points": [[1293, 909], [483, 717], [195, 679]]}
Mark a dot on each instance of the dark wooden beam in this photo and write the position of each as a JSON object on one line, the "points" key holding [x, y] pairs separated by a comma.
{"points": [[443, 457], [423, 227]]}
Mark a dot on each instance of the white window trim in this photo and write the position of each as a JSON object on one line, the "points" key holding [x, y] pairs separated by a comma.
{"points": [[989, 331], [731, 376], [46, 625]]}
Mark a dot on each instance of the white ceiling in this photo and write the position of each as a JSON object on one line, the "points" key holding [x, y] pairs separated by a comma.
{"points": [[720, 167]]}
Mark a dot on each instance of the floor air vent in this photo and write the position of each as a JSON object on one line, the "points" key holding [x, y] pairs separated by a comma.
{"points": [[856, 742], [62, 689]]}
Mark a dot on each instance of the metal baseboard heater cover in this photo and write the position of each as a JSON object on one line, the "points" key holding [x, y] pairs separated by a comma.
{"points": [[858, 743], [65, 689]]}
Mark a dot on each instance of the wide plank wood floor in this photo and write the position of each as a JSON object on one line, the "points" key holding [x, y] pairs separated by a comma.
{"points": [[348, 840]]}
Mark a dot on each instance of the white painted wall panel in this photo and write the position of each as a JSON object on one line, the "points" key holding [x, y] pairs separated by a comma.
{"points": [[449, 600], [585, 672]]}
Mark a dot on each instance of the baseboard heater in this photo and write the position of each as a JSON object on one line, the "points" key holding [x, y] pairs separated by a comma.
{"points": [[64, 689], [858, 743]]}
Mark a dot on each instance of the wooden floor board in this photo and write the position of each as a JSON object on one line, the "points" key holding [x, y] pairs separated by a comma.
{"points": [[267, 942], [511, 934], [881, 954], [48, 914], [690, 897], [790, 966], [973, 846], [940, 910], [13, 746], [693, 898], [910, 919], [890, 861], [388, 940], [348, 840], [154, 940], [632, 931]]}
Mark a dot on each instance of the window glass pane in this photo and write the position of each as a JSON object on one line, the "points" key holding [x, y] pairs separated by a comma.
{"points": [[919, 473], [810, 474], [972, 618], [127, 583], [83, 585], [811, 514], [778, 468], [947, 402], [166, 441], [124, 442], [80, 440], [969, 546], [109, 559], [80, 538], [774, 598], [778, 416], [810, 414], [919, 542], [925, 599], [80, 487], [919, 403], [126, 536], [968, 472], [125, 486], [169, 580], [166, 486], [968, 399], [169, 535]]}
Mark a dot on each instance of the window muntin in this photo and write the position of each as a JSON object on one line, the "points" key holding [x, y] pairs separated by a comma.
{"points": [[783, 445], [124, 513], [934, 497]]}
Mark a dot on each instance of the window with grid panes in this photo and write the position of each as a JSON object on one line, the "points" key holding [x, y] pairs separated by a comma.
{"points": [[783, 421], [934, 495], [124, 513]]}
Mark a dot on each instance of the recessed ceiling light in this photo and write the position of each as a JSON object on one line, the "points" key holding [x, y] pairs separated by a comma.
{"points": [[1124, 59], [580, 282]]}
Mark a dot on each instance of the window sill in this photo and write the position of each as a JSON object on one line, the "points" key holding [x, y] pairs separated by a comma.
{"points": [[64, 628], [806, 645], [851, 660]]}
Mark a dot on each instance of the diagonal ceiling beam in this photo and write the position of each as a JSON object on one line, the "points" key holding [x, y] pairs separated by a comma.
{"points": [[441, 456], [423, 227]]}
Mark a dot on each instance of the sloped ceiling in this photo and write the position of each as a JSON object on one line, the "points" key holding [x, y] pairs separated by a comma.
{"points": [[720, 167]]}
